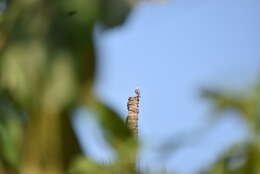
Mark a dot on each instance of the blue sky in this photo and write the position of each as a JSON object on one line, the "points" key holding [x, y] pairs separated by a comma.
{"points": [[171, 51]]}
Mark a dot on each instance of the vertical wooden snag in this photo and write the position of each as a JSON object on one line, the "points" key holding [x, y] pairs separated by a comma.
{"points": [[133, 110]]}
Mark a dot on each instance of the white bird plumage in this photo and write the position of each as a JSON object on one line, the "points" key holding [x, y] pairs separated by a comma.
{"points": [[138, 92]]}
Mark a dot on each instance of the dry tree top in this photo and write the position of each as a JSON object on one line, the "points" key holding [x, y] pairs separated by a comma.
{"points": [[133, 110]]}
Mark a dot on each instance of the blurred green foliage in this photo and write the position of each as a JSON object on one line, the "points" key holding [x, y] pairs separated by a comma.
{"points": [[47, 70], [241, 158]]}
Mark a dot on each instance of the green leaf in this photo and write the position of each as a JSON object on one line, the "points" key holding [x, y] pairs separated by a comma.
{"points": [[114, 12]]}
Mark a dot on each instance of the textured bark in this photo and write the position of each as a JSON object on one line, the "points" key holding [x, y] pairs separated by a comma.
{"points": [[133, 111]]}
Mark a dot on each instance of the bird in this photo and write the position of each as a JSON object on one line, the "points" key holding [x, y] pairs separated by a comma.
{"points": [[138, 92]]}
